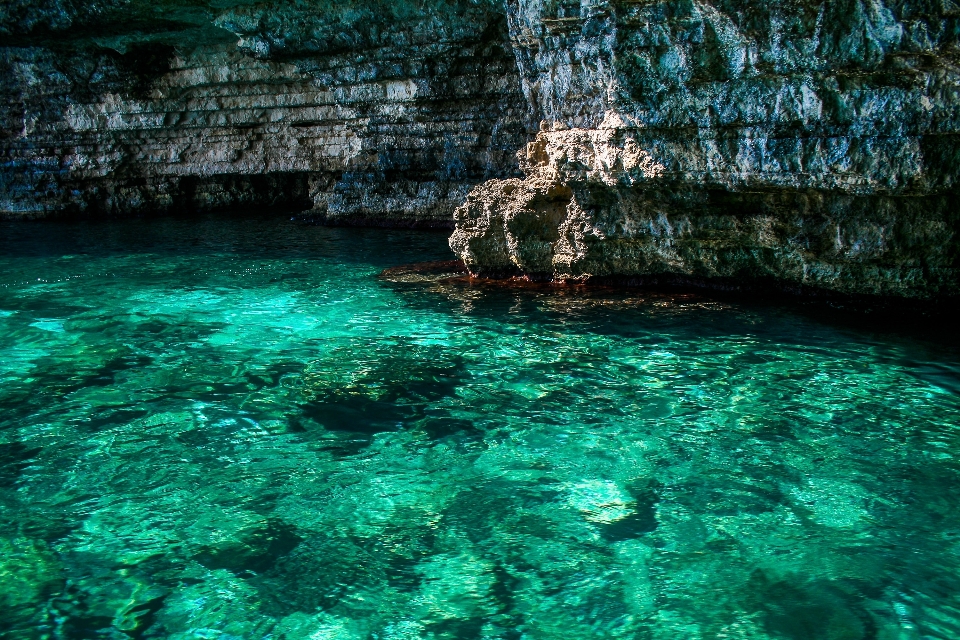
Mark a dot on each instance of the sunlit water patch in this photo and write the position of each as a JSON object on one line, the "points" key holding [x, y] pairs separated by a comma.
{"points": [[235, 429]]}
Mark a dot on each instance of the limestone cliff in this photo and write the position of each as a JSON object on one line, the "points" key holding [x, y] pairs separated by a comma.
{"points": [[375, 113], [807, 143], [802, 142]]}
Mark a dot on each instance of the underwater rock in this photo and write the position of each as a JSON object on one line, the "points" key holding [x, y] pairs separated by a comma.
{"points": [[29, 574]]}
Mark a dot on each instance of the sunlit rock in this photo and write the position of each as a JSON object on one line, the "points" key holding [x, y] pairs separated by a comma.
{"points": [[805, 144]]}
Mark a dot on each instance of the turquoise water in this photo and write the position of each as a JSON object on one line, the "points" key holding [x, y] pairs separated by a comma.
{"points": [[235, 429]]}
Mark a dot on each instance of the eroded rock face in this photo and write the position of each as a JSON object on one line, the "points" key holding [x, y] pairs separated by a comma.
{"points": [[369, 113], [807, 142]]}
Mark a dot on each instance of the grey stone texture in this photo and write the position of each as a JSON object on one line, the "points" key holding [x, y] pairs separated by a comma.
{"points": [[363, 114], [810, 143], [807, 143]]}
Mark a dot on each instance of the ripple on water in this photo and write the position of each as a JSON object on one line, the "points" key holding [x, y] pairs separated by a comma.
{"points": [[257, 437]]}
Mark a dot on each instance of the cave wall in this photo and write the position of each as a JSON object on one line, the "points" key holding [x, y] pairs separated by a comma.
{"points": [[364, 114], [808, 143]]}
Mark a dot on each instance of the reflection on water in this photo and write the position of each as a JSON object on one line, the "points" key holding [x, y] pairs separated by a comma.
{"points": [[234, 429]]}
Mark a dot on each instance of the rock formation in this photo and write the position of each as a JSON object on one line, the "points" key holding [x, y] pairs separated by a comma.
{"points": [[372, 113], [812, 144], [806, 143]]}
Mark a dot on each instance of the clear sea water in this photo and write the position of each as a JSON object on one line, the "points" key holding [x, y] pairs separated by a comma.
{"points": [[232, 428]]}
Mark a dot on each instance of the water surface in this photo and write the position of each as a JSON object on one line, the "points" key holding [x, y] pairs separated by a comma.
{"points": [[233, 429]]}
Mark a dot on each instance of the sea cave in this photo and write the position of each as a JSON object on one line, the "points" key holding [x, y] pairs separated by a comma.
{"points": [[493, 319]]}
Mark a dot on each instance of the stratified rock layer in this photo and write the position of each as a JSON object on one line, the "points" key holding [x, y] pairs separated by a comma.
{"points": [[378, 115], [808, 142], [812, 143]]}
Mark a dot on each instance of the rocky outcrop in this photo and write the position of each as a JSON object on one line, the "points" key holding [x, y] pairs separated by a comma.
{"points": [[807, 143], [359, 113], [596, 205]]}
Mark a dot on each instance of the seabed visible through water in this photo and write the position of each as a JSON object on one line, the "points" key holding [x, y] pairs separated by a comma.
{"points": [[233, 428]]}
